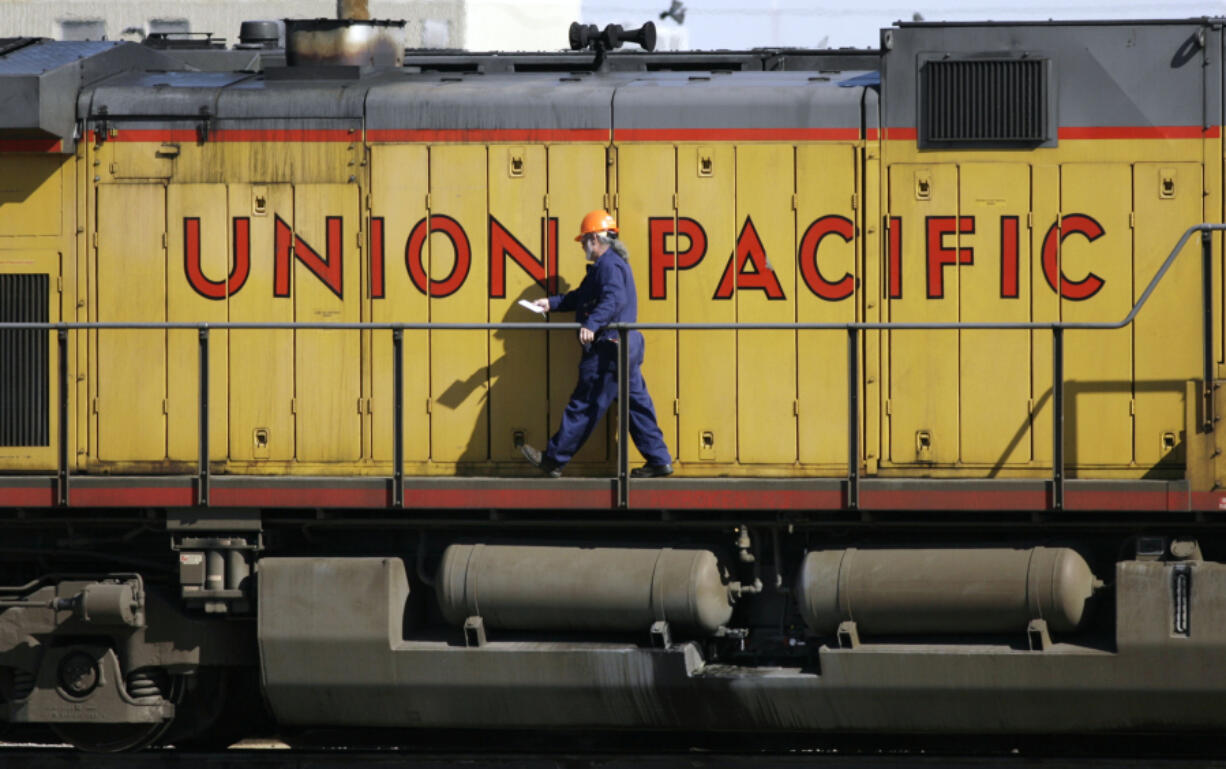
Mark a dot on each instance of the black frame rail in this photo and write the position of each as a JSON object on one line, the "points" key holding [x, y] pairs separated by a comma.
{"points": [[853, 331]]}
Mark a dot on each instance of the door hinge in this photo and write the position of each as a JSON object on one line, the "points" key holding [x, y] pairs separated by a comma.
{"points": [[855, 202], [165, 241], [889, 407], [675, 206], [1030, 406], [165, 405], [1132, 407], [363, 405], [59, 284], [1132, 220], [795, 201], [546, 201], [293, 405], [428, 201], [796, 408], [677, 406], [1030, 220], [428, 406], [93, 405], [94, 239], [368, 201]]}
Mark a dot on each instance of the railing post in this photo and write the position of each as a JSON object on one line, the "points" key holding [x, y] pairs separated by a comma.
{"points": [[1206, 277], [62, 485], [202, 483], [1057, 410], [623, 417], [398, 418], [853, 419]]}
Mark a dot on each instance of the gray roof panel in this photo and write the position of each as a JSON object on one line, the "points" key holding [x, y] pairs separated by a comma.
{"points": [[48, 55], [492, 103], [162, 94], [740, 100]]}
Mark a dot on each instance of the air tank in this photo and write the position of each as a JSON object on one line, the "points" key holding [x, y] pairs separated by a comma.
{"points": [[524, 587], [968, 590]]}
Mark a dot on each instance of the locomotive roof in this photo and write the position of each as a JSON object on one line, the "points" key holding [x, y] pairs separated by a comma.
{"points": [[1115, 73], [403, 100]]}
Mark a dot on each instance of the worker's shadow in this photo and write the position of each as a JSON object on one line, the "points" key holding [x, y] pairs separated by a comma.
{"points": [[516, 401]]}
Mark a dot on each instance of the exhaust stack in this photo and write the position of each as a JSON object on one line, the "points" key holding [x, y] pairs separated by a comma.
{"points": [[365, 43]]}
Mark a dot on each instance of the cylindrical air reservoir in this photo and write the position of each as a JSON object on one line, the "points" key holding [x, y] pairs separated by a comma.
{"points": [[524, 587], [966, 590]]}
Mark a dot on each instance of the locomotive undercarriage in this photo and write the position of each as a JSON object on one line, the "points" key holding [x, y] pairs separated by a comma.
{"points": [[167, 634]]}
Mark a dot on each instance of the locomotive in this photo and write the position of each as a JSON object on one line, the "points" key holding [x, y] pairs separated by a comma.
{"points": [[934, 332]]}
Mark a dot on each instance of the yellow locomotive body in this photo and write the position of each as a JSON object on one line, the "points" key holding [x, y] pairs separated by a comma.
{"points": [[340, 224]]}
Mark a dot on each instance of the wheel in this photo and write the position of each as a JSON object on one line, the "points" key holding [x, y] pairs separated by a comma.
{"points": [[119, 738], [219, 707]]}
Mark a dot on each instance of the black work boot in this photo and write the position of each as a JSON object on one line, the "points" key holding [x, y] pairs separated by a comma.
{"points": [[546, 465], [652, 471]]}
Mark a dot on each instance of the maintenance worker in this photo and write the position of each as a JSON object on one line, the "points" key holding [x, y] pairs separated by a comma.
{"points": [[605, 296]]}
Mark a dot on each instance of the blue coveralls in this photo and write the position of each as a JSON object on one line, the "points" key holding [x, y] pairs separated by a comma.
{"points": [[605, 296]]}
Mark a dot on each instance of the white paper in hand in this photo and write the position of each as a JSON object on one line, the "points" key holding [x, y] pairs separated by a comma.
{"points": [[529, 305]]}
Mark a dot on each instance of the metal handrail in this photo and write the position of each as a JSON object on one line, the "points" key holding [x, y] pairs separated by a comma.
{"points": [[853, 330]]}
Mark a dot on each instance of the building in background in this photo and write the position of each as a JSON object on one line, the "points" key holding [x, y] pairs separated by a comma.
{"points": [[508, 25]]}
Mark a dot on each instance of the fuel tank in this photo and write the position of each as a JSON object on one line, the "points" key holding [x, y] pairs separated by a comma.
{"points": [[955, 590], [524, 587]]}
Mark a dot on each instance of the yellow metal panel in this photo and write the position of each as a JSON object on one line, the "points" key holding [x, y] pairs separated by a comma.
{"points": [[1044, 308], [706, 372], [30, 195], [519, 366], [1096, 198], [576, 186], [131, 287], [302, 162], [14, 262], [763, 269], [459, 360], [398, 198], [646, 183], [995, 365], [1166, 335], [198, 246], [826, 293], [327, 364], [262, 362], [141, 160], [923, 391]]}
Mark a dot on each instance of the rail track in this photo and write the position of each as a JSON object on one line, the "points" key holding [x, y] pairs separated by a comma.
{"points": [[1126, 752]]}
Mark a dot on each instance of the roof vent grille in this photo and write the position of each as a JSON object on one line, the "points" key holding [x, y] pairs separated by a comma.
{"points": [[984, 102]]}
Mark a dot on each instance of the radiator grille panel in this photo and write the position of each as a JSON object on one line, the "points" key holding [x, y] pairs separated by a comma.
{"points": [[24, 365], [985, 101]]}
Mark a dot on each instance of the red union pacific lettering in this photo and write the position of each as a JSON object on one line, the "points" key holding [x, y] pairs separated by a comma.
{"points": [[674, 243], [938, 255]]}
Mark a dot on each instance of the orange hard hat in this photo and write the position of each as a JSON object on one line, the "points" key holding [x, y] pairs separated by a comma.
{"points": [[596, 221]]}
